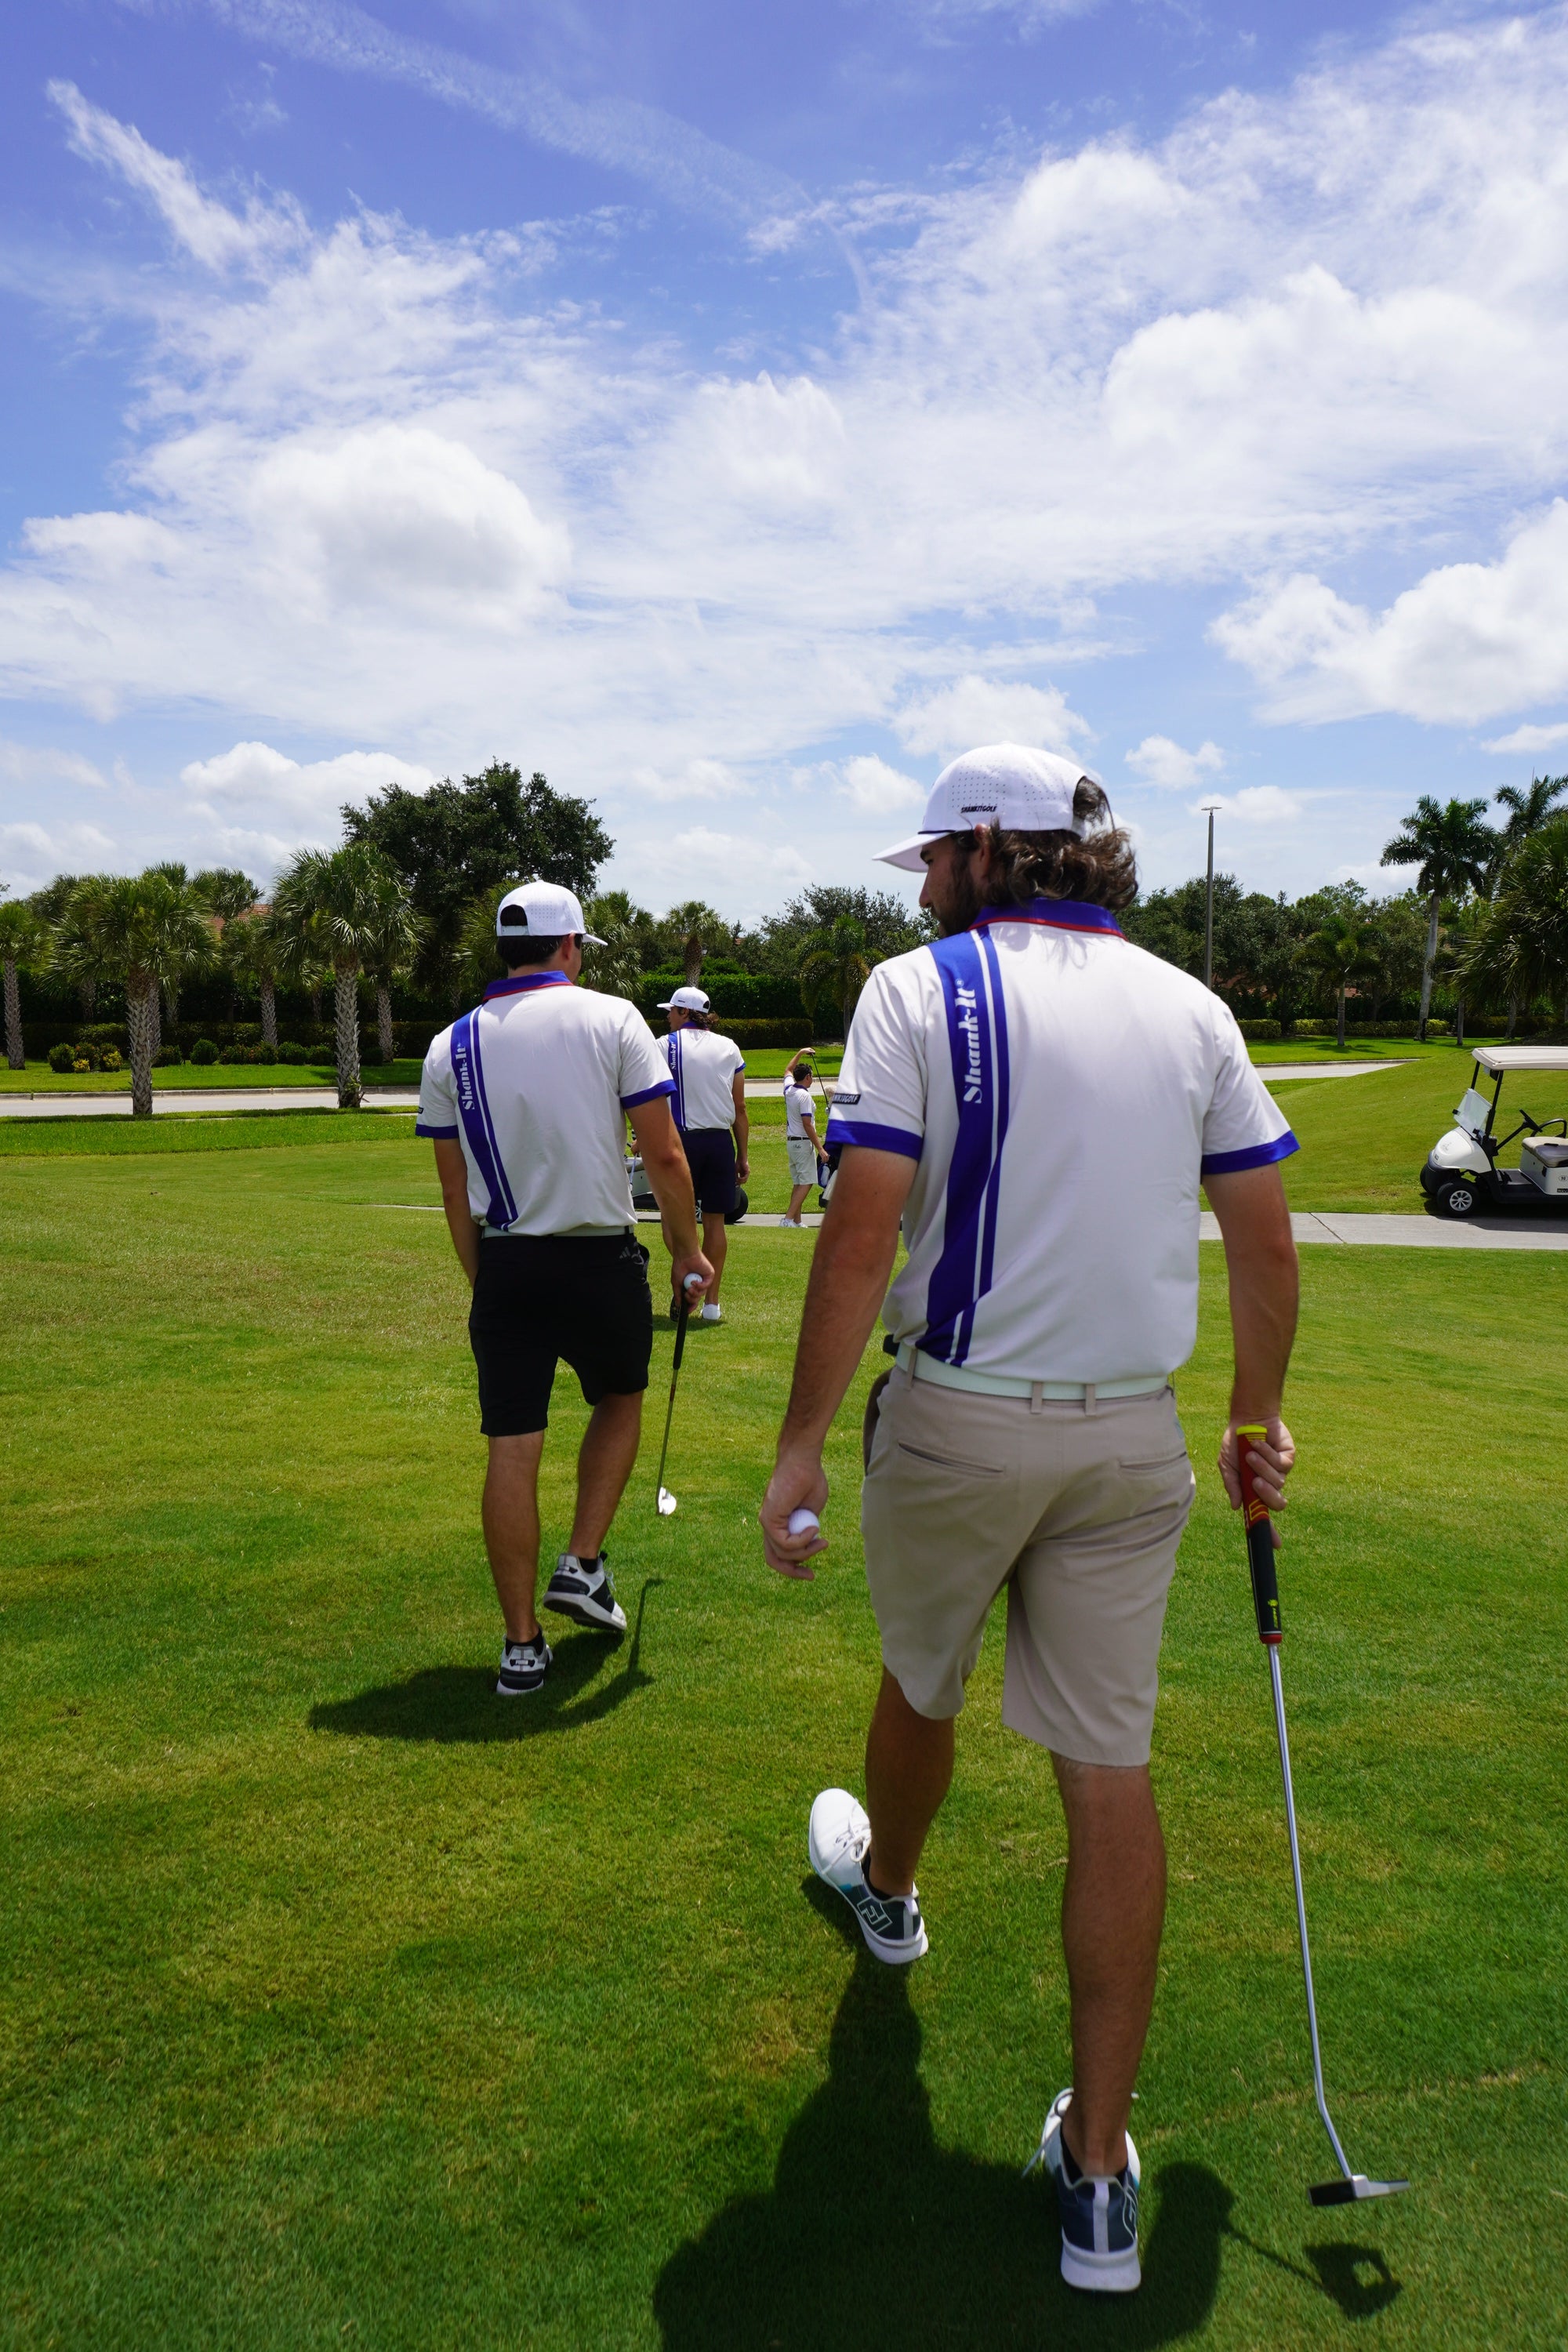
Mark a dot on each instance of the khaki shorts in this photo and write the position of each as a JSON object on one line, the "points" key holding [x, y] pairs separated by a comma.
{"points": [[1077, 1512], [802, 1159]]}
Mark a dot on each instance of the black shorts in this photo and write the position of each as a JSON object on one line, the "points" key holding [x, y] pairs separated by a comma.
{"points": [[542, 1296], [711, 1156]]}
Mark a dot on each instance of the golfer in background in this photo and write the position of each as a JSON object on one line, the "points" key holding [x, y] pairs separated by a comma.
{"points": [[1039, 1101], [708, 1074], [802, 1141], [525, 1100]]}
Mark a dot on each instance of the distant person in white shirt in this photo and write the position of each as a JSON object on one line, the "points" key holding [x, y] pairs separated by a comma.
{"points": [[1039, 1100], [709, 1075], [801, 1139], [526, 1101]]}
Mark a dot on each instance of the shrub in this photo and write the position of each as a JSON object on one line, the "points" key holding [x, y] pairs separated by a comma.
{"points": [[1263, 1031], [62, 1059], [292, 1057], [113, 1060], [234, 1053], [204, 1053], [167, 1057]]}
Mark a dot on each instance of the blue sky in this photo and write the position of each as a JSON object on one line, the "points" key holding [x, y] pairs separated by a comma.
{"points": [[735, 413]]}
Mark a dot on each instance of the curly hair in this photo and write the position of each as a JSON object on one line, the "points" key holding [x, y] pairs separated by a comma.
{"points": [[1097, 866]]}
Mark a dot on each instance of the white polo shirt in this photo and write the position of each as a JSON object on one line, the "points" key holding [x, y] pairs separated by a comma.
{"points": [[703, 1066], [798, 1109], [1062, 1093], [533, 1085]]}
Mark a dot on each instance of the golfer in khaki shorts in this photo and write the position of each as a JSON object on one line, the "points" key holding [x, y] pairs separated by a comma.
{"points": [[1036, 1100]]}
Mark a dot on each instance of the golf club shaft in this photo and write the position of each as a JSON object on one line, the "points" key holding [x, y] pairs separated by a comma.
{"points": [[1273, 1650], [1266, 1607], [674, 1376]]}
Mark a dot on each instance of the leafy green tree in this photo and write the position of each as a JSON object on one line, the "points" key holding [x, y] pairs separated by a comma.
{"points": [[49, 905], [891, 925], [1455, 850], [1521, 944], [253, 957], [616, 969], [24, 939], [143, 930], [458, 841], [339, 904], [224, 891], [1340, 951], [835, 963]]}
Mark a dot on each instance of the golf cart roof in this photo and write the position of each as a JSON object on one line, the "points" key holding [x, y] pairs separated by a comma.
{"points": [[1499, 1058]]}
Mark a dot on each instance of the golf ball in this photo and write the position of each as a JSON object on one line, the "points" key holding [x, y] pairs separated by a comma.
{"points": [[804, 1522]]}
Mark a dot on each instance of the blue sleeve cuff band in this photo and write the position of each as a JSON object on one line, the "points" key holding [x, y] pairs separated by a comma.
{"points": [[441, 1134], [875, 1138], [649, 1093], [1256, 1155]]}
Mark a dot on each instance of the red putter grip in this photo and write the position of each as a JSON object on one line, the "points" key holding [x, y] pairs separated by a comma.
{"points": [[1259, 1538]]}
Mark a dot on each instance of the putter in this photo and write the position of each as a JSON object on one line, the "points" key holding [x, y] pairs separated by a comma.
{"points": [[666, 1499], [1265, 1604]]}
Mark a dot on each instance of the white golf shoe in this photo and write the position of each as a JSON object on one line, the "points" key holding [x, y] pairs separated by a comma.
{"points": [[838, 1840], [1098, 2215]]}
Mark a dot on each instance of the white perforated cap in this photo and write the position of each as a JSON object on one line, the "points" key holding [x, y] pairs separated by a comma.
{"points": [[685, 999], [1007, 785], [546, 910]]}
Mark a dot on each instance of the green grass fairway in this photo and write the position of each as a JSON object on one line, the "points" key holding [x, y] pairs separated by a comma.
{"points": [[344, 2003]]}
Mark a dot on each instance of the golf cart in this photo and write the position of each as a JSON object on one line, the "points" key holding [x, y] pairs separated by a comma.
{"points": [[1462, 1179], [642, 1193]]}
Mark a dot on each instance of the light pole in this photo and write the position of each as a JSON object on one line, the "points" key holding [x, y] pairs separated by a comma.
{"points": [[1209, 806]]}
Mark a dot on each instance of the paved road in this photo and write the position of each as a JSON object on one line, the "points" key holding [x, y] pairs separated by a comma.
{"points": [[174, 1098], [1421, 1232]]}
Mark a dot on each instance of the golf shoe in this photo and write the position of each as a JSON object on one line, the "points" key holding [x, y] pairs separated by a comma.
{"points": [[582, 1590], [1099, 2215], [838, 1840]]}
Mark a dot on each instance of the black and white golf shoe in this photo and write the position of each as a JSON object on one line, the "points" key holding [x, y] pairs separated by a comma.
{"points": [[838, 1840], [581, 1589], [523, 1666], [1098, 2215]]}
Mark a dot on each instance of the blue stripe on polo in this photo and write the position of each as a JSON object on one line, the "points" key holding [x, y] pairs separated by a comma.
{"points": [[439, 1134], [1254, 1155], [1057, 914], [521, 984], [649, 1093], [874, 1138], [955, 1284]]}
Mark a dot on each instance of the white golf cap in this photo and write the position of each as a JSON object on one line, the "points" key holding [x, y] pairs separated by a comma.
{"points": [[545, 910], [1003, 784], [685, 1000]]}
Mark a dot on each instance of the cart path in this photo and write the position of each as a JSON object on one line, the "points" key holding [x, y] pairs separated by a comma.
{"points": [[167, 1100], [1419, 1231]]}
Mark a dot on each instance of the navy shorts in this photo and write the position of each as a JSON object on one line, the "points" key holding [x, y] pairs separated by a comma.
{"points": [[711, 1156], [540, 1297]]}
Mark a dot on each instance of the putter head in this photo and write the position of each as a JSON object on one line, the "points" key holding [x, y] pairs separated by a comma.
{"points": [[1348, 2192], [665, 1502]]}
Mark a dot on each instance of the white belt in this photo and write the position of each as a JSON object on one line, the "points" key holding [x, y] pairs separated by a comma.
{"points": [[922, 1367]]}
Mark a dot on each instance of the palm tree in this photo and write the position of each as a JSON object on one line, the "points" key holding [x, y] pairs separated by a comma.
{"points": [[1455, 851], [1524, 942], [253, 957], [24, 939], [1341, 950], [334, 904], [137, 929], [1529, 807], [395, 935], [835, 963], [476, 961]]}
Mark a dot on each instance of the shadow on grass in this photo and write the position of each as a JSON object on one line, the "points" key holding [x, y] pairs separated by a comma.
{"points": [[460, 1702], [1341, 2271], [873, 2234]]}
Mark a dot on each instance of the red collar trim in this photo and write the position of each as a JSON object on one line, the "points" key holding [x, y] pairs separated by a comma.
{"points": [[1055, 914]]}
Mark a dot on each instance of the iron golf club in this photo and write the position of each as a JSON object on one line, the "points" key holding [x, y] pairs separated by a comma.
{"points": [[666, 1499], [1266, 1605]]}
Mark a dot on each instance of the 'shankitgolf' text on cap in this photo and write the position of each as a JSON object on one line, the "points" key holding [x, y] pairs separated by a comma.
{"points": [[1006, 785], [685, 1000], [544, 911]]}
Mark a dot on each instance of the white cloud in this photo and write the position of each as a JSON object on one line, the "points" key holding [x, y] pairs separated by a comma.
{"points": [[1258, 805], [976, 710], [33, 854], [1530, 738], [1158, 760], [1468, 641], [36, 764], [698, 780], [206, 229], [378, 491], [875, 788], [254, 777], [732, 871]]}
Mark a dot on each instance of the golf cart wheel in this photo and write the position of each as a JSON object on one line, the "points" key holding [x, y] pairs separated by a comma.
{"points": [[742, 1205], [1457, 1200]]}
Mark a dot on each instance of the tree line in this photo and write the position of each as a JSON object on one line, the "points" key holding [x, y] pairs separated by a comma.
{"points": [[404, 909]]}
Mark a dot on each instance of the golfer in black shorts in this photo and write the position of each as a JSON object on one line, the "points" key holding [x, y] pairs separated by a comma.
{"points": [[525, 1100], [710, 1112]]}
